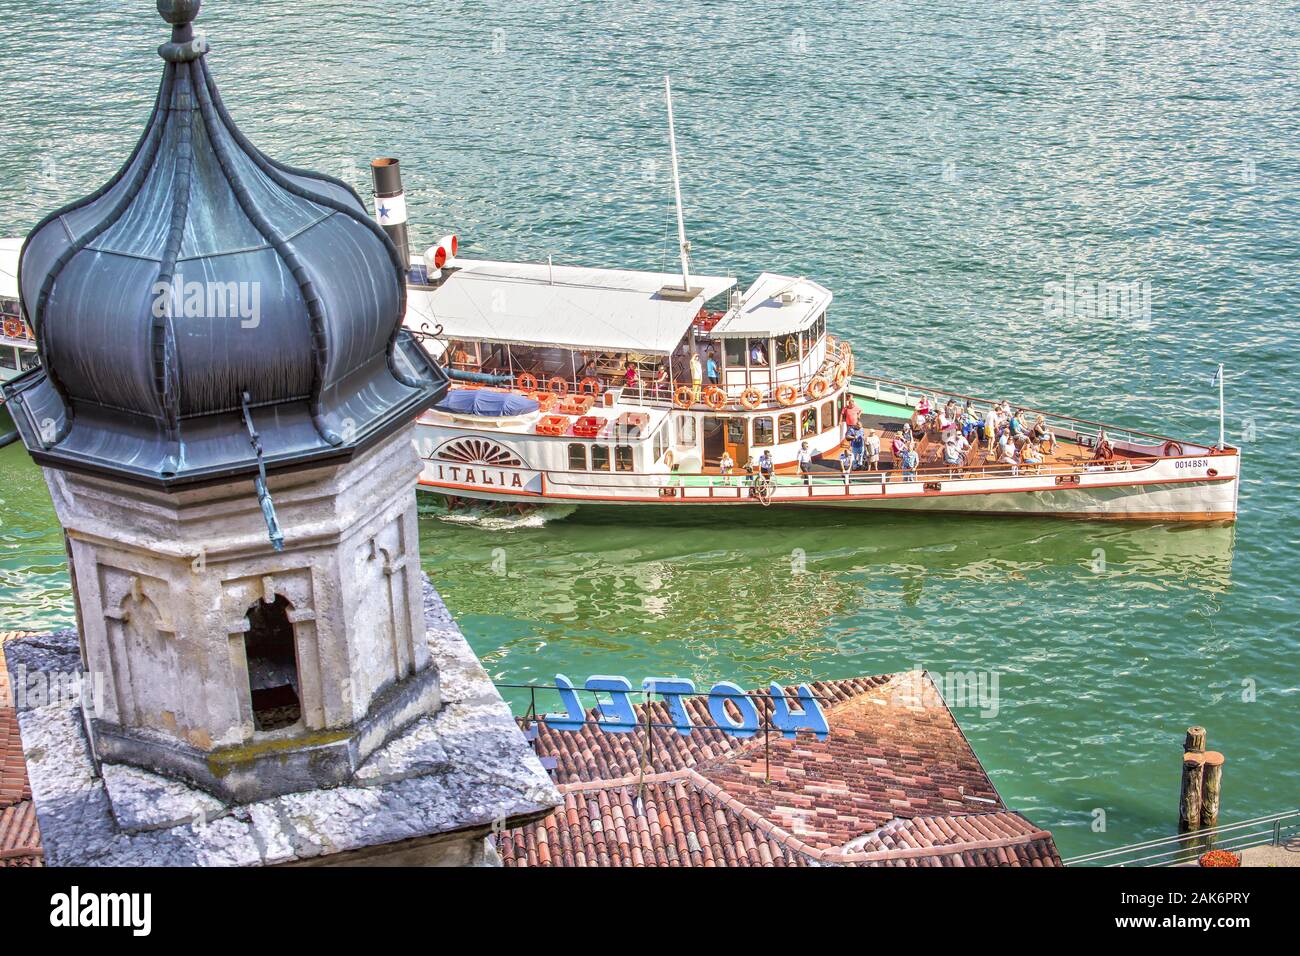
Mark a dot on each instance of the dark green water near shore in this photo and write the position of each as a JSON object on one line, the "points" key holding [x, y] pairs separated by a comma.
{"points": [[939, 166]]}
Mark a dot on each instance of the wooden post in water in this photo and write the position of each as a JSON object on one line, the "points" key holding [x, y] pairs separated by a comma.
{"points": [[1195, 740], [1211, 784], [1189, 803]]}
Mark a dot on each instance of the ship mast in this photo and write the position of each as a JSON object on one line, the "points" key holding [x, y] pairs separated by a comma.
{"points": [[677, 191]]}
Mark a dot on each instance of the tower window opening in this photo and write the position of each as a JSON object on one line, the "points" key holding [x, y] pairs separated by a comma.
{"points": [[272, 665]]}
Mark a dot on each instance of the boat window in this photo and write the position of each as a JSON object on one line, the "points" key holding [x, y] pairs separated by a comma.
{"points": [[735, 349], [622, 457], [787, 349], [686, 433], [8, 357], [808, 421], [661, 442], [28, 358], [758, 353], [828, 416], [736, 431], [806, 340], [577, 457], [763, 430], [600, 458], [785, 428]]}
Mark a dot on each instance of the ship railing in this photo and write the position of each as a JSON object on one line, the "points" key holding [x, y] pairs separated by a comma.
{"points": [[930, 474], [890, 391], [1276, 829]]}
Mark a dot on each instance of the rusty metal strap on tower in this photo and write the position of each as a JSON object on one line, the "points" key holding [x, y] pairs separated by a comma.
{"points": [[263, 493]]}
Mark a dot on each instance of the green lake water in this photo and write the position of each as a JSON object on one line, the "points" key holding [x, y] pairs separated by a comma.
{"points": [[938, 166]]}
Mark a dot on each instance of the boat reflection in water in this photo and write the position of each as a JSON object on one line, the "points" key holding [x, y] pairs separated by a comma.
{"points": [[703, 599]]}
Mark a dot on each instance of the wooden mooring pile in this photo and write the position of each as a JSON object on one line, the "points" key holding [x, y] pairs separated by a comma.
{"points": [[1198, 805]]}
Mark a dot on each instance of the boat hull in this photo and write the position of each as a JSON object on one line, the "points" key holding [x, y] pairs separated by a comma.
{"points": [[1174, 489]]}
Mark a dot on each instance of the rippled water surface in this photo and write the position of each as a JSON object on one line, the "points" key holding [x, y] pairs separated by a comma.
{"points": [[937, 165]]}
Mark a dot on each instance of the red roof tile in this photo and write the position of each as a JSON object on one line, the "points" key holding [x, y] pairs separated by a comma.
{"points": [[896, 783]]}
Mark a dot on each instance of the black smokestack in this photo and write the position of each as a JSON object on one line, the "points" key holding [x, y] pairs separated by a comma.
{"points": [[390, 204]]}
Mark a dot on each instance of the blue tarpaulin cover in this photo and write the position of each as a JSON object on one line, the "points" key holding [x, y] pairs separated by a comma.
{"points": [[477, 401]]}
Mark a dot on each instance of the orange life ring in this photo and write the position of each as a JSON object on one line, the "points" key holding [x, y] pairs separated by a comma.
{"points": [[849, 364], [684, 397], [715, 398], [786, 395], [817, 387], [557, 386], [841, 376], [1172, 449], [527, 382], [589, 385], [751, 398]]}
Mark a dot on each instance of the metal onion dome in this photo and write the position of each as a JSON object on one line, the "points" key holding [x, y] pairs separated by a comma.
{"points": [[203, 287]]}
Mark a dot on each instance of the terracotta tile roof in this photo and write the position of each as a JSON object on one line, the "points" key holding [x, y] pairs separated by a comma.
{"points": [[896, 783], [20, 839]]}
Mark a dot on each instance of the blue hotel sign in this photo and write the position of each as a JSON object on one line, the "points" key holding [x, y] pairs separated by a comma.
{"points": [[617, 715]]}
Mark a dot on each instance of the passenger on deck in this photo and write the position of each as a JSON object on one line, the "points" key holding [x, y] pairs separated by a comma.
{"points": [[923, 406], [757, 355], [919, 422], [953, 458], [805, 463], [765, 467], [631, 377], [1105, 452], [1030, 456], [711, 369], [962, 444], [898, 446], [911, 460], [1006, 445], [1007, 454], [852, 415], [697, 376], [990, 431], [661, 381], [857, 442], [872, 451], [970, 421], [725, 467], [1043, 436], [846, 465], [1016, 425]]}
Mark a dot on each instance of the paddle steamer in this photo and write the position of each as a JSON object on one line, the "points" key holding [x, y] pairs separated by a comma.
{"points": [[591, 386]]}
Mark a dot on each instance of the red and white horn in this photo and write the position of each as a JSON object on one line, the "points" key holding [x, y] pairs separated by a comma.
{"points": [[442, 255]]}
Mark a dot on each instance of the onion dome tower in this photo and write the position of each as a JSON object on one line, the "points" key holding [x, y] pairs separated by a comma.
{"points": [[208, 318], [202, 280]]}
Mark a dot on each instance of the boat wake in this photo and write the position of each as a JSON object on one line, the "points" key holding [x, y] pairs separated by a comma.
{"points": [[495, 518]]}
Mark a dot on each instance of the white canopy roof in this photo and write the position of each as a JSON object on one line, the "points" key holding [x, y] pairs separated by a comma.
{"points": [[564, 306], [9, 249], [763, 310]]}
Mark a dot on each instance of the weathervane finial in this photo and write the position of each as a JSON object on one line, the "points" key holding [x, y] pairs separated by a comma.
{"points": [[179, 12], [184, 46]]}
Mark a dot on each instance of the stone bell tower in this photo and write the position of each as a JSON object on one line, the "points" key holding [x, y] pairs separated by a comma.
{"points": [[224, 414]]}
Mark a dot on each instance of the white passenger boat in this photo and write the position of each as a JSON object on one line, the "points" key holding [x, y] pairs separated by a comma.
{"points": [[592, 386], [541, 411]]}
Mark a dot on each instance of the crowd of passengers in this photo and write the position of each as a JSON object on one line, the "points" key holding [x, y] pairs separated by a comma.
{"points": [[964, 437]]}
